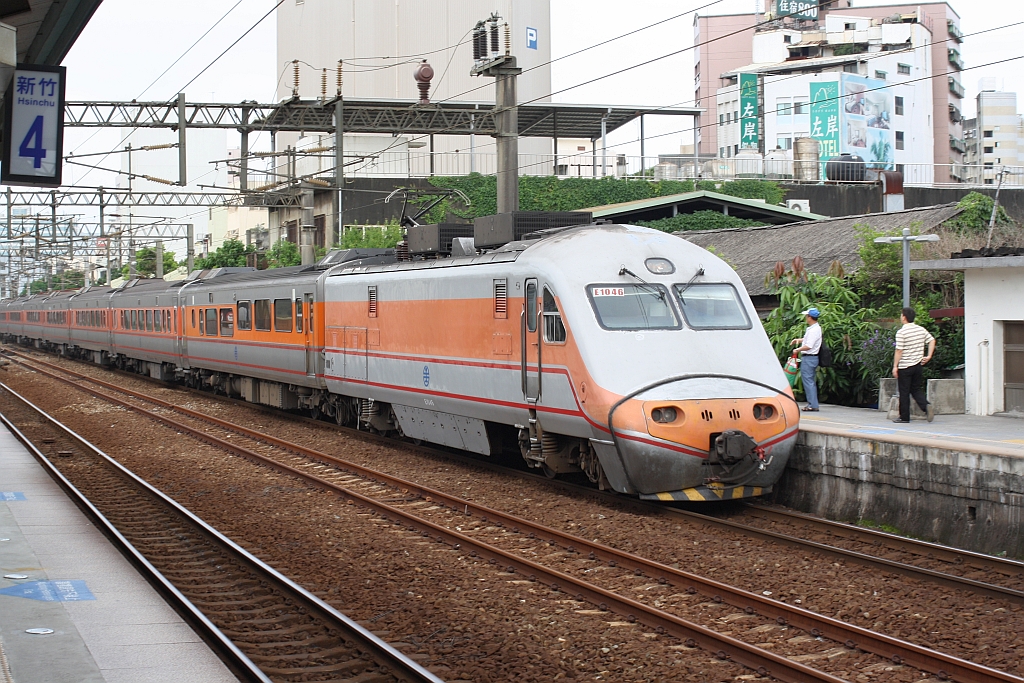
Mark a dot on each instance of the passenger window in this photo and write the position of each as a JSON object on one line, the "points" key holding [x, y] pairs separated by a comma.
{"points": [[298, 315], [211, 322], [531, 306], [261, 314], [157, 315], [149, 321], [244, 315], [193, 318], [135, 319], [227, 322], [282, 315], [202, 321], [554, 330]]}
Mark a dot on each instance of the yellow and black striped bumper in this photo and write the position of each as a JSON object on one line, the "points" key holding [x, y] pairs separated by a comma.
{"points": [[711, 492]]}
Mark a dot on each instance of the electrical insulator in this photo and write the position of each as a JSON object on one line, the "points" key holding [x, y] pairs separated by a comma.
{"points": [[478, 41], [494, 35], [323, 84], [339, 78], [295, 78], [508, 40]]}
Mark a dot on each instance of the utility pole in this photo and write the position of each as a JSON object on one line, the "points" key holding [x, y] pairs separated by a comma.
{"points": [[160, 259], [995, 209], [190, 259], [906, 238], [488, 61], [339, 159]]}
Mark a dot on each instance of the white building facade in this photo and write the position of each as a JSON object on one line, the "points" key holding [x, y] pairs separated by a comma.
{"points": [[862, 86], [999, 135]]}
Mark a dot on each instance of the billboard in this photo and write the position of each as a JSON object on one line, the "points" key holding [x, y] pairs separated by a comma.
{"points": [[798, 9], [749, 115], [866, 121], [34, 127], [824, 114]]}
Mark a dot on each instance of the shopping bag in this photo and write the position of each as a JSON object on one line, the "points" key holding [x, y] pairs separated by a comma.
{"points": [[792, 371]]}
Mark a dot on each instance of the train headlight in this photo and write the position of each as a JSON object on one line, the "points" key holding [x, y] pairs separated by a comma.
{"points": [[763, 411], [664, 415], [660, 266]]}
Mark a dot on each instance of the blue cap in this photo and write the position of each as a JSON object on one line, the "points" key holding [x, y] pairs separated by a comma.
{"points": [[813, 312]]}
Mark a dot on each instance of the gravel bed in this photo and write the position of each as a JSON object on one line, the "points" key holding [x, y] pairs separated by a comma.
{"points": [[981, 629]]}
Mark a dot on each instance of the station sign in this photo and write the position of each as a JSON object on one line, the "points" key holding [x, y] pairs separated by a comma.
{"points": [[34, 127], [750, 135], [798, 9]]}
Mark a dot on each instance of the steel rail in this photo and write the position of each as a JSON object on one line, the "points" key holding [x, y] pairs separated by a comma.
{"points": [[913, 546], [392, 661], [943, 665]]}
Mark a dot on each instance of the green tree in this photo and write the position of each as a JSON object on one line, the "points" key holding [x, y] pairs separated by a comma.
{"points": [[977, 211], [373, 238], [145, 263], [34, 287], [283, 254], [231, 254], [69, 279]]}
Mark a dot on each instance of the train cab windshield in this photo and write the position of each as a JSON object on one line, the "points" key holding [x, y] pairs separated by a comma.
{"points": [[712, 306], [633, 307]]}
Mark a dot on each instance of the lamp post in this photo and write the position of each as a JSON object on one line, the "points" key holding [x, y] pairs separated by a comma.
{"points": [[906, 238]]}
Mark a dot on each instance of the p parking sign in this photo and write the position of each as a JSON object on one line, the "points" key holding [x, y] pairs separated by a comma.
{"points": [[34, 127], [531, 38]]}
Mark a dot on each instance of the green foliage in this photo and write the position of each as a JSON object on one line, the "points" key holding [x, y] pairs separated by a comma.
{"points": [[231, 254], [881, 153], [748, 188], [699, 220], [977, 211], [881, 273], [145, 263], [549, 193], [371, 237], [844, 324], [35, 287], [283, 254], [844, 49]]}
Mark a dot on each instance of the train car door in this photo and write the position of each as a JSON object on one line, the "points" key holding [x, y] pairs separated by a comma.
{"points": [[355, 353], [530, 344], [306, 304]]}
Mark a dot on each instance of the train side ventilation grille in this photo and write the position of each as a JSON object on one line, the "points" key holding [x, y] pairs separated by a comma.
{"points": [[501, 298], [734, 414], [707, 415], [371, 294]]}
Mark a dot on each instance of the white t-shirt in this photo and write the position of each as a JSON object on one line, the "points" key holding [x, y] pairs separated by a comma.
{"points": [[812, 340]]}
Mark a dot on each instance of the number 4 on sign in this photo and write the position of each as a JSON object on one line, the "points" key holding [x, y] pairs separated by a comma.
{"points": [[37, 152]]}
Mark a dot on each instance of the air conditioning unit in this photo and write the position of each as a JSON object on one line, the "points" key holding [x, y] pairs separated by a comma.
{"points": [[799, 205]]}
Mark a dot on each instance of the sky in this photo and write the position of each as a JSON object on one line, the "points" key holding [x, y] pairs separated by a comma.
{"points": [[128, 45]]}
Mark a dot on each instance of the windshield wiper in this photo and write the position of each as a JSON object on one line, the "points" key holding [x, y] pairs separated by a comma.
{"points": [[651, 288], [700, 271]]}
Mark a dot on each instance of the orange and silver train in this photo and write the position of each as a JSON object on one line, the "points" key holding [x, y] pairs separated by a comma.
{"points": [[619, 351]]}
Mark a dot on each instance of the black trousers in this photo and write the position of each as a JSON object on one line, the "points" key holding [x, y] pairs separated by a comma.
{"points": [[911, 382]]}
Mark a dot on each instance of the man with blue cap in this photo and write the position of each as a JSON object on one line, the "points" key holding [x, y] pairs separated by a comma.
{"points": [[810, 345]]}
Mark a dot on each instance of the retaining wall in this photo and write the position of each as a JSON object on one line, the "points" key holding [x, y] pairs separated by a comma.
{"points": [[963, 499]]}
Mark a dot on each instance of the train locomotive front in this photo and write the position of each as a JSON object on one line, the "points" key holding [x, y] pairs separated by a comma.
{"points": [[621, 351]]}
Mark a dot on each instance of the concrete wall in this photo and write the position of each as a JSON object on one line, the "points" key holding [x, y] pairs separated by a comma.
{"points": [[967, 500], [839, 200], [1010, 199], [991, 296]]}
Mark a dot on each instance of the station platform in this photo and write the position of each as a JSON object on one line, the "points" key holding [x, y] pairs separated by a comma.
{"points": [[105, 623], [966, 433]]}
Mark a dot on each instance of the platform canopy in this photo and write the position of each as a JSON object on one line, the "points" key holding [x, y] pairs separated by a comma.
{"points": [[540, 120], [46, 28]]}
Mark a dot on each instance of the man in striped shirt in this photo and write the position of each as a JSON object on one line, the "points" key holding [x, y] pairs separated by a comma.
{"points": [[906, 365]]}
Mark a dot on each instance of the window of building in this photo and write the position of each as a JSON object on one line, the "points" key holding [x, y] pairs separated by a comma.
{"points": [[784, 143], [988, 133], [211, 322], [227, 322], [554, 330], [244, 315], [899, 168], [850, 26], [903, 69], [899, 139], [800, 106], [721, 119], [880, 75], [721, 152], [783, 106], [787, 39], [851, 68], [989, 150], [261, 314], [988, 164], [735, 150], [899, 106], [282, 315]]}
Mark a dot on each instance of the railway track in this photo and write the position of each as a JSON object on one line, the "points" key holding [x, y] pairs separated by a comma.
{"points": [[264, 626], [457, 523]]}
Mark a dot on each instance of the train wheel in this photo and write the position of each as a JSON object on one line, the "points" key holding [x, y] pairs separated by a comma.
{"points": [[548, 472], [314, 412]]}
